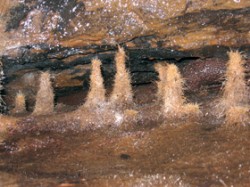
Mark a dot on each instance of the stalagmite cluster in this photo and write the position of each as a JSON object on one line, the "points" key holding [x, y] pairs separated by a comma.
{"points": [[118, 107], [122, 94], [113, 109]]}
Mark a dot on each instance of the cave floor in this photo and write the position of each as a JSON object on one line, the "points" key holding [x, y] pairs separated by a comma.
{"points": [[183, 153]]}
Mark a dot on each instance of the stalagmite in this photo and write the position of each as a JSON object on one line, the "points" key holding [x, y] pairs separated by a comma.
{"points": [[45, 96], [20, 106], [234, 104], [171, 93], [96, 95], [122, 94]]}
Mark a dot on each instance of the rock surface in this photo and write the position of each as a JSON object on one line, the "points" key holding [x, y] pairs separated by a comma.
{"points": [[62, 36]]}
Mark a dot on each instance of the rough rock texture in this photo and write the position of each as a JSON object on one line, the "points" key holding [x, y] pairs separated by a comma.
{"points": [[63, 36]]}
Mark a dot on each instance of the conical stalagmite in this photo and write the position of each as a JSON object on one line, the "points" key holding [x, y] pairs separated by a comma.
{"points": [[20, 106], [174, 101], [96, 95], [173, 96], [122, 93], [234, 103], [45, 96]]}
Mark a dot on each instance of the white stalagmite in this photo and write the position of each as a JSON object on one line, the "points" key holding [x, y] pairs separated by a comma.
{"points": [[170, 92], [45, 96], [96, 94], [173, 96], [122, 94], [234, 104]]}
